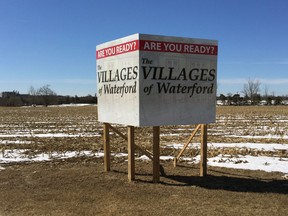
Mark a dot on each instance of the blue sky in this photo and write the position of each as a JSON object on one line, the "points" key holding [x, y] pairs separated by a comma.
{"points": [[53, 41]]}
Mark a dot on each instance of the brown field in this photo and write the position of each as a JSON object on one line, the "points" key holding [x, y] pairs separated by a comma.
{"points": [[78, 185]]}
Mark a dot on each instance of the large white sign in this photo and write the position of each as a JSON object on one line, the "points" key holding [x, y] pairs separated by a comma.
{"points": [[149, 80]]}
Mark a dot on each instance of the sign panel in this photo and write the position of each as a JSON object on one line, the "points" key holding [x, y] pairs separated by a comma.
{"points": [[149, 80]]}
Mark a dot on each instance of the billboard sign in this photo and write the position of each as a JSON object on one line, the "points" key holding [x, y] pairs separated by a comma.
{"points": [[150, 80]]}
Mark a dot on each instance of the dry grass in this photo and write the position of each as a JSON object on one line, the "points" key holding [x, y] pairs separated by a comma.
{"points": [[81, 131], [78, 186]]}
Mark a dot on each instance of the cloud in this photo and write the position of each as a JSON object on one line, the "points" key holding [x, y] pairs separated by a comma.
{"points": [[232, 81], [262, 81], [46, 81], [280, 62], [274, 81], [80, 81], [277, 62]]}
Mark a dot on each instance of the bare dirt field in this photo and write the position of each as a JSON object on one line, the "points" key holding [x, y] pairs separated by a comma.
{"points": [[79, 186]]}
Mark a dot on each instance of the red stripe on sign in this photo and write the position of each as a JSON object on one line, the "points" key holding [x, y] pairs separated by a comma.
{"points": [[157, 46], [174, 47], [118, 49]]}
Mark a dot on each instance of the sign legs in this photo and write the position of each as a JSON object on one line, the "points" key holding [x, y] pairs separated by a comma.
{"points": [[106, 139], [156, 150], [131, 154], [156, 154], [203, 156]]}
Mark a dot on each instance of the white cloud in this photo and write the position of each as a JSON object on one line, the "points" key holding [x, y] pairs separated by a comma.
{"points": [[274, 81], [79, 81], [262, 81], [281, 62], [69, 81], [232, 81], [277, 62]]}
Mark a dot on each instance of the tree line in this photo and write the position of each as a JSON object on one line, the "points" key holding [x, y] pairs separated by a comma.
{"points": [[252, 96], [44, 96]]}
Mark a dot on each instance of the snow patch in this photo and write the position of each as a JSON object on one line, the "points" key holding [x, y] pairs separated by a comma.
{"points": [[264, 163]]}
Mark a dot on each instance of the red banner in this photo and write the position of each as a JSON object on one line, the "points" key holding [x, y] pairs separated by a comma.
{"points": [[174, 47], [118, 49], [157, 46]]}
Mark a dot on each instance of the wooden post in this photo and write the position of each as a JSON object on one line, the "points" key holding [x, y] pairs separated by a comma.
{"points": [[156, 154], [131, 154], [106, 140], [203, 160]]}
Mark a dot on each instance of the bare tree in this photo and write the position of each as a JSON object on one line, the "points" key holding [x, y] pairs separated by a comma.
{"points": [[33, 95], [32, 91], [251, 89], [266, 91], [47, 94], [46, 90], [266, 95]]}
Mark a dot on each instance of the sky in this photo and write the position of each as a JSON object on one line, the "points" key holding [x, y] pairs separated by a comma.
{"points": [[53, 42]]}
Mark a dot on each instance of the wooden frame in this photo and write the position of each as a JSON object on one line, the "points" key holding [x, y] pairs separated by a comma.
{"points": [[130, 138]]}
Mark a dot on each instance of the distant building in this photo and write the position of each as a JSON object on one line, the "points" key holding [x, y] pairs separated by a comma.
{"points": [[9, 94]]}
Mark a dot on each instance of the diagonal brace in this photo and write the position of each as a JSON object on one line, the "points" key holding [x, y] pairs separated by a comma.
{"points": [[186, 145], [145, 152]]}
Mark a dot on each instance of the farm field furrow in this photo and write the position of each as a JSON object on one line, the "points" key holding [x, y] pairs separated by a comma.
{"points": [[51, 163], [29, 132]]}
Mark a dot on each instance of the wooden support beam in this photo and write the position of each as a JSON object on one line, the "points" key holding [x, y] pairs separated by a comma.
{"points": [[156, 154], [186, 145], [203, 157], [106, 140], [145, 152], [131, 154], [118, 132]]}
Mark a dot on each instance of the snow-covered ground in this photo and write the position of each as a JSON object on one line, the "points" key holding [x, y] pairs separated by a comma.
{"points": [[254, 138], [265, 163], [45, 135]]}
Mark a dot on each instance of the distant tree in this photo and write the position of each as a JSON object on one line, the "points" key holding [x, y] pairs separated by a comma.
{"points": [[237, 100], [251, 89], [67, 99], [266, 92], [32, 91], [246, 100], [278, 100], [223, 99], [76, 99], [229, 98], [47, 94], [33, 95], [257, 98], [269, 100]]}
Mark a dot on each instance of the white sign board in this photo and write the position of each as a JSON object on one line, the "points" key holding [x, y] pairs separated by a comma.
{"points": [[149, 80]]}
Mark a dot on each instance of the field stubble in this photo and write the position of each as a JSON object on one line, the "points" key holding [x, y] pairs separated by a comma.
{"points": [[78, 186], [42, 130]]}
